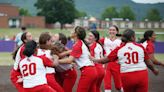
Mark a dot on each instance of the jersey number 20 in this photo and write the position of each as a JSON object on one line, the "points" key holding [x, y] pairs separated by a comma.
{"points": [[131, 57], [29, 69]]}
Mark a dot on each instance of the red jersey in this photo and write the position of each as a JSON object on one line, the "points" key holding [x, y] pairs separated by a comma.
{"points": [[149, 46]]}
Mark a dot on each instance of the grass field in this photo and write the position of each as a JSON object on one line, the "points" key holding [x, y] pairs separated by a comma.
{"points": [[36, 32], [6, 58]]}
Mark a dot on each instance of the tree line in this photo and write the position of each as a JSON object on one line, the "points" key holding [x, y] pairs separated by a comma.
{"points": [[64, 11], [127, 13]]}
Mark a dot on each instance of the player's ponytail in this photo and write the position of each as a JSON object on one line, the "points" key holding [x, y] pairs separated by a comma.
{"points": [[147, 34], [81, 34], [96, 35], [30, 48], [128, 36]]}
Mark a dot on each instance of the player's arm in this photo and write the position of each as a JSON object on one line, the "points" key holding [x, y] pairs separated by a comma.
{"points": [[150, 50], [155, 61], [50, 62], [151, 67], [65, 53], [101, 60], [68, 60], [149, 64], [111, 57], [76, 52]]}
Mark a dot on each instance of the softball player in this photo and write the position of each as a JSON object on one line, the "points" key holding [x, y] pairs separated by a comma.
{"points": [[81, 55], [112, 68], [96, 51], [133, 59], [45, 43], [33, 70], [148, 43], [66, 74], [17, 55]]}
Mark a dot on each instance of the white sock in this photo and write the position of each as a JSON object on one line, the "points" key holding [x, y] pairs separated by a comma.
{"points": [[121, 90], [107, 90]]}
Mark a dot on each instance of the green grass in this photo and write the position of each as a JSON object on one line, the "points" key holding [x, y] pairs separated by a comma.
{"points": [[6, 58], [160, 57], [36, 32]]}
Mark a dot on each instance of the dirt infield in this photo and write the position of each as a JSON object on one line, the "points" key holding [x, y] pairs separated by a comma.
{"points": [[156, 83]]}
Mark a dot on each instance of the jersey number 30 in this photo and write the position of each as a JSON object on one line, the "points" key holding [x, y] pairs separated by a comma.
{"points": [[29, 69], [131, 57]]}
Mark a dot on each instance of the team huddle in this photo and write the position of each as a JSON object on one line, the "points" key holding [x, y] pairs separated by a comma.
{"points": [[49, 66]]}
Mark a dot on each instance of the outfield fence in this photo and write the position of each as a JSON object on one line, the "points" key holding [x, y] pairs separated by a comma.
{"points": [[8, 46]]}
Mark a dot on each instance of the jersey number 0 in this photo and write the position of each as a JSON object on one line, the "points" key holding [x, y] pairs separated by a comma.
{"points": [[29, 69], [131, 57]]}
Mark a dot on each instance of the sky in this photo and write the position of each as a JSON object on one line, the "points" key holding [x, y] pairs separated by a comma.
{"points": [[149, 1]]}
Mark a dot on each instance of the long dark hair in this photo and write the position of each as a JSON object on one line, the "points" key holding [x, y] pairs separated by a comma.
{"points": [[97, 36], [147, 34], [30, 47], [62, 38], [127, 35], [23, 38], [81, 34]]}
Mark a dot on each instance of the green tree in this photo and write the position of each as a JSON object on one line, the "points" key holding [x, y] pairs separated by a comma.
{"points": [[153, 15], [127, 13], [80, 14], [110, 13], [62, 11], [24, 12]]}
